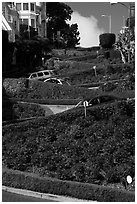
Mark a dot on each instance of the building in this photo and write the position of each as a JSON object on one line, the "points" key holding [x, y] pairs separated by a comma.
{"points": [[28, 14], [31, 14], [132, 10], [10, 16]]}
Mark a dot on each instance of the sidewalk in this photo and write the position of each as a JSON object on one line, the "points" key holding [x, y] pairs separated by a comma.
{"points": [[55, 198]]}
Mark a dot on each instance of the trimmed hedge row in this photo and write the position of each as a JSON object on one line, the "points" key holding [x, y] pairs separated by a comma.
{"points": [[83, 72], [107, 40], [40, 90], [46, 101], [19, 110], [69, 146], [32, 182]]}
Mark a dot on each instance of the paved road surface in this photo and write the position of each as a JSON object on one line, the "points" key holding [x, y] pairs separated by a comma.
{"points": [[13, 197]]}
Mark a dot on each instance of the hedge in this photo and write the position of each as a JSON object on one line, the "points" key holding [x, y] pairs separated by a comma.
{"points": [[79, 190], [40, 90], [107, 40], [69, 146], [18, 110], [45, 101]]}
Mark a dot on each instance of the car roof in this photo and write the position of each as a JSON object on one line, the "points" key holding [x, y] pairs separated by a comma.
{"points": [[42, 71]]}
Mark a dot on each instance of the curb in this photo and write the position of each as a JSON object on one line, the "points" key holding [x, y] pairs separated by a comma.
{"points": [[53, 197]]}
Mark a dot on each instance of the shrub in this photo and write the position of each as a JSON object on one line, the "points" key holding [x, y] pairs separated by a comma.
{"points": [[12, 85], [98, 193], [107, 40], [40, 90], [115, 54], [71, 147]]}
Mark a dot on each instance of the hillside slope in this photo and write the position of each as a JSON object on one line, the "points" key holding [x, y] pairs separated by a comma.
{"points": [[97, 149]]}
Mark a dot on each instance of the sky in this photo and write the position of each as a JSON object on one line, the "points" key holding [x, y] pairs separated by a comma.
{"points": [[91, 23]]}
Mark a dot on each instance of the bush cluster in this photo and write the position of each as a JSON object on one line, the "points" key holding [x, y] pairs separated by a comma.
{"points": [[96, 149]]}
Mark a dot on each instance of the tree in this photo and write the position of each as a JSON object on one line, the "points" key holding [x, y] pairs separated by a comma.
{"points": [[27, 33], [57, 15], [130, 22], [71, 36], [30, 52]]}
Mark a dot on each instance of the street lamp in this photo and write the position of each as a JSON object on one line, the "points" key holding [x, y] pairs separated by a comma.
{"points": [[109, 16], [126, 7], [123, 21]]}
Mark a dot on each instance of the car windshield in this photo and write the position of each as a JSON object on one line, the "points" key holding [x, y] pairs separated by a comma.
{"points": [[53, 81], [40, 74], [46, 73], [33, 76]]}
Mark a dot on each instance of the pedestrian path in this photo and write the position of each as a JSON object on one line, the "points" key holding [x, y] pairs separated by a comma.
{"points": [[54, 198]]}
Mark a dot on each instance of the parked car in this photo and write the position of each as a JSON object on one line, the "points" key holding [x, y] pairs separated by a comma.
{"points": [[103, 99], [57, 81], [100, 99], [42, 75]]}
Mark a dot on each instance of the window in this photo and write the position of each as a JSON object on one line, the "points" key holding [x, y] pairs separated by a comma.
{"points": [[3, 10], [31, 6], [18, 6], [33, 23], [15, 24], [20, 21], [11, 5], [25, 21], [40, 74], [10, 18], [46, 73], [25, 6], [33, 75]]}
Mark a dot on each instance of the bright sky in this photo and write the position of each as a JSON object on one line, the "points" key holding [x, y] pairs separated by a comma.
{"points": [[91, 23]]}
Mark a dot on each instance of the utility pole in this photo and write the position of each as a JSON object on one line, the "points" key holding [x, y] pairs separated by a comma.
{"points": [[43, 19], [109, 21]]}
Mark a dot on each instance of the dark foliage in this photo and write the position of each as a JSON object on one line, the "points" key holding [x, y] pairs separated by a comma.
{"points": [[58, 13], [98, 148], [107, 40]]}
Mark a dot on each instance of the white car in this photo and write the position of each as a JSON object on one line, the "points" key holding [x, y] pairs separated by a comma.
{"points": [[41, 75], [57, 81]]}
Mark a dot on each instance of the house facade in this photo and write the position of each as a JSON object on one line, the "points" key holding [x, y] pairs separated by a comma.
{"points": [[31, 14], [27, 13], [10, 17]]}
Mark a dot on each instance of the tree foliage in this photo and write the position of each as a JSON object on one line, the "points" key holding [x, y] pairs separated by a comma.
{"points": [[58, 14]]}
